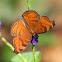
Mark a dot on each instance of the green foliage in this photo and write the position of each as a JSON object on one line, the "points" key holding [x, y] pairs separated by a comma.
{"points": [[28, 56], [45, 39], [6, 54]]}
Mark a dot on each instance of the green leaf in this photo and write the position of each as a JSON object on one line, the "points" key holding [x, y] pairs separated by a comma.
{"points": [[28, 56]]}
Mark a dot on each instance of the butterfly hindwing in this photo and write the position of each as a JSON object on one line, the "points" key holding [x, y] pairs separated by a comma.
{"points": [[44, 25], [21, 42]]}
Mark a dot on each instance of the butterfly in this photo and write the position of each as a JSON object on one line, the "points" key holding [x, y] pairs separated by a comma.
{"points": [[23, 32]]}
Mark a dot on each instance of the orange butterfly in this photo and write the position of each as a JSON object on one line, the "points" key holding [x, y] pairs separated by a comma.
{"points": [[23, 32]]}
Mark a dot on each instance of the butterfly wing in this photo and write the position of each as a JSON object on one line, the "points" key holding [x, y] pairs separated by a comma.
{"points": [[18, 28], [44, 25], [23, 36], [31, 17], [21, 42]]}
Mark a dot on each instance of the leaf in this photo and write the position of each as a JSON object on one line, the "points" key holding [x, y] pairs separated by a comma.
{"points": [[28, 56]]}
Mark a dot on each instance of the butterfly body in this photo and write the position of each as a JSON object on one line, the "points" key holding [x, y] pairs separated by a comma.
{"points": [[23, 32]]}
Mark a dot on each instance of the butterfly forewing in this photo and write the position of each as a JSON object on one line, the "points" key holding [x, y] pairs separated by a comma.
{"points": [[18, 28], [31, 17]]}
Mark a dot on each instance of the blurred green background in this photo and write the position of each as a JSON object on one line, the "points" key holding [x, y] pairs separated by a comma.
{"points": [[49, 43]]}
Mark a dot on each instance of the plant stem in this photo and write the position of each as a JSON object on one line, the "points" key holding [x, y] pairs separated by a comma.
{"points": [[33, 48], [29, 7], [9, 45], [21, 57]]}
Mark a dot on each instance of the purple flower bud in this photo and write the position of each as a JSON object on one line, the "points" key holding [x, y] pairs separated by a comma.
{"points": [[34, 42], [34, 39], [0, 24]]}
